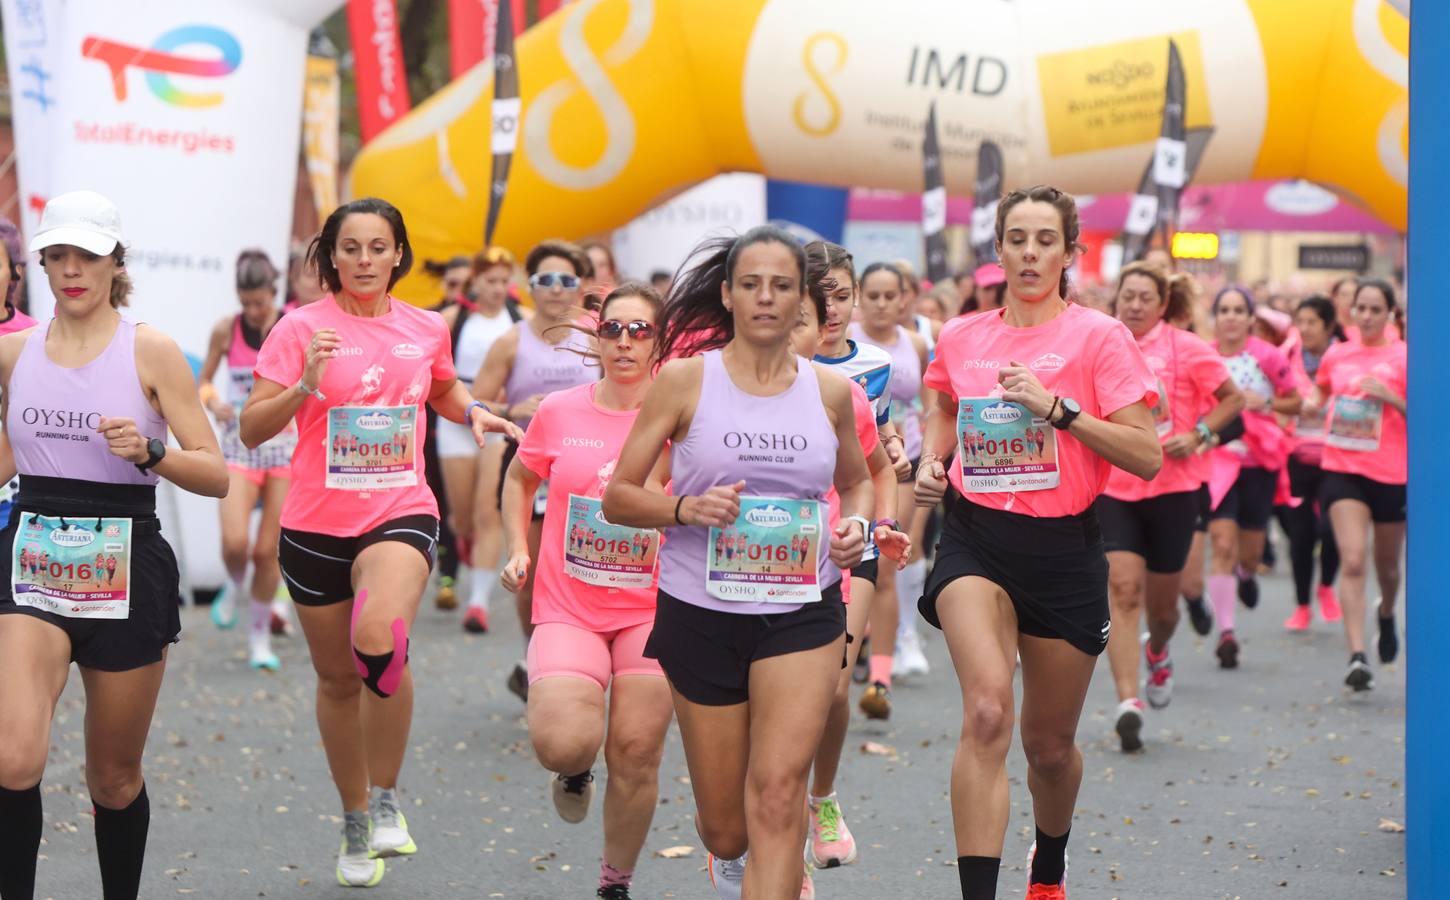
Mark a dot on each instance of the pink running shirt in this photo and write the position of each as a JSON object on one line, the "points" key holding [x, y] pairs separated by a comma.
{"points": [[574, 443], [1259, 368], [392, 360], [1083, 354], [869, 437], [18, 321], [1340, 372], [1189, 371]]}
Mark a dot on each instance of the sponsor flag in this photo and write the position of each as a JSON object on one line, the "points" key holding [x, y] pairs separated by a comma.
{"points": [[321, 109], [506, 109], [382, 80], [933, 202], [986, 191]]}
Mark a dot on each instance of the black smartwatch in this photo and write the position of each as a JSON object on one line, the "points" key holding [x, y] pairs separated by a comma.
{"points": [[1070, 411], [156, 450]]}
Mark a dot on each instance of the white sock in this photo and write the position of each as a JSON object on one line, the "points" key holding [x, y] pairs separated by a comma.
{"points": [[910, 582], [259, 627], [480, 586]]}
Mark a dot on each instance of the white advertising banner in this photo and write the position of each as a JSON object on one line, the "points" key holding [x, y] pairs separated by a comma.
{"points": [[32, 50]]}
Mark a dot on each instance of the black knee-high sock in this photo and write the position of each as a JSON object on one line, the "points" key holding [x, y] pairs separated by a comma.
{"points": [[1049, 863], [19, 842], [978, 875], [121, 846], [1328, 553]]}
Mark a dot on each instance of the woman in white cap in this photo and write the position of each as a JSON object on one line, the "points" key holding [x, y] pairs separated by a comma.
{"points": [[88, 400]]}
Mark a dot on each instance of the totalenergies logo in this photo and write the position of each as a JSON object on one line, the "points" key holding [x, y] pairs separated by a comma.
{"points": [[160, 62]]}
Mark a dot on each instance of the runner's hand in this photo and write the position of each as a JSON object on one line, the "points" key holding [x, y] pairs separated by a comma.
{"points": [[848, 542], [222, 411], [1375, 388], [124, 439], [718, 507], [1254, 402], [1019, 385], [900, 465], [515, 572], [323, 347], [931, 482], [1182, 445], [485, 422], [526, 408], [893, 544]]}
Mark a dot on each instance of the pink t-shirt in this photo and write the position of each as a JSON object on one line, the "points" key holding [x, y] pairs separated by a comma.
{"points": [[867, 434], [1082, 354], [1340, 373], [1259, 368], [574, 443], [391, 361], [18, 321], [1188, 371]]}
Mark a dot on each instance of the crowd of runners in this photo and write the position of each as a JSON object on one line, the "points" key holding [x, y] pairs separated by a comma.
{"points": [[718, 504]]}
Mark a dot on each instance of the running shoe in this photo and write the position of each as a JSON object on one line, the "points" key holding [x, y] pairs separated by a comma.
{"points": [[356, 866], [1389, 643], [727, 876], [224, 609], [1300, 619], [1359, 678], [808, 885], [1329, 604], [876, 701], [390, 828], [831, 844], [1248, 589], [1045, 891], [518, 683], [613, 892], [447, 597], [1199, 616], [1129, 727], [1228, 651], [1159, 687], [475, 621], [861, 672], [263, 658], [909, 660], [279, 624], [572, 794]]}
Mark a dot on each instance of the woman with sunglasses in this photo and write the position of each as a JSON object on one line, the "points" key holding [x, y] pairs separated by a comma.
{"points": [[594, 593], [534, 358], [481, 315]]}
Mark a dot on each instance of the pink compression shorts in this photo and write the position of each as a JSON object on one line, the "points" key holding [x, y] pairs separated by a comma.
{"points": [[259, 477], [560, 650]]}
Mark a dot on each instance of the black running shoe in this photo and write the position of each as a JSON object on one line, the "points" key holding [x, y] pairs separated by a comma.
{"points": [[1228, 651], [1199, 616], [613, 892], [518, 683], [1360, 678], [1249, 591], [1389, 639]]}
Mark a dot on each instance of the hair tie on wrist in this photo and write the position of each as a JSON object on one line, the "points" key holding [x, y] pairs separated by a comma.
{"points": [[678, 503]]}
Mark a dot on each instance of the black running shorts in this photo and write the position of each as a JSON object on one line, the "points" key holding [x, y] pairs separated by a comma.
{"points": [[1159, 529], [318, 567], [1386, 502]]}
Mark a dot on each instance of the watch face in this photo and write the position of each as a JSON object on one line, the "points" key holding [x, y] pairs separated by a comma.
{"points": [[1071, 406]]}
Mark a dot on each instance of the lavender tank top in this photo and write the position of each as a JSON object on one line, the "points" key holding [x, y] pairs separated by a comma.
{"points": [[781, 446], [905, 385], [543, 368], [54, 411]]}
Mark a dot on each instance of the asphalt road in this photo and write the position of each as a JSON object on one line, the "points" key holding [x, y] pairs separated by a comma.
{"points": [[1267, 782]]}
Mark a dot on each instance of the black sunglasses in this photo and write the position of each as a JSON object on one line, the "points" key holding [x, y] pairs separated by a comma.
{"points": [[639, 330]]}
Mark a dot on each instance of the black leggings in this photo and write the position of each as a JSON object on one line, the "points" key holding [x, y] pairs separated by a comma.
{"points": [[1307, 526]]}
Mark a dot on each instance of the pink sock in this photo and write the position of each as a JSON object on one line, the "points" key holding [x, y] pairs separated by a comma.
{"points": [[1222, 593], [609, 875], [881, 669]]}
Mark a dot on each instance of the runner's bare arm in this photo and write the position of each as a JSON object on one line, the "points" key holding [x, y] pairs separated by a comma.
{"points": [[665, 416], [937, 445], [270, 406], [852, 477], [488, 383], [165, 374], [1230, 404], [520, 485], [1127, 438], [216, 348], [1288, 403], [451, 400], [7, 459]]}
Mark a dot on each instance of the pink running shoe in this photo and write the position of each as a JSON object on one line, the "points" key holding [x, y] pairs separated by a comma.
{"points": [[831, 842], [1329, 604], [1300, 619], [1045, 891]]}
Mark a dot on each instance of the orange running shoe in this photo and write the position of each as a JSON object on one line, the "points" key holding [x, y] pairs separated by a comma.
{"points": [[1045, 891]]}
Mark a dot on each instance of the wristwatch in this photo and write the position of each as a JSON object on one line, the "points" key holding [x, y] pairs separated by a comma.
{"points": [[1070, 411], [1206, 437], [156, 450], [889, 523]]}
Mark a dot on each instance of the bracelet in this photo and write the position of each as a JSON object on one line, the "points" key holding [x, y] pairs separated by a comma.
{"points": [[508, 409], [891, 437], [679, 503], [468, 413], [302, 388], [865, 526], [1053, 411]]}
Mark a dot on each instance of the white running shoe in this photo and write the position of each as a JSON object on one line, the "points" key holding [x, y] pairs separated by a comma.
{"points": [[572, 794], [727, 876], [390, 829], [260, 656], [909, 659], [1130, 724], [355, 864], [224, 608], [1159, 687]]}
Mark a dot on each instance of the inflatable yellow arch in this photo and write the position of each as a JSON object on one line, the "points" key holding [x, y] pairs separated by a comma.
{"points": [[626, 102]]}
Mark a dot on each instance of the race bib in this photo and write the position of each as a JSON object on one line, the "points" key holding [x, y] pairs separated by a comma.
{"points": [[77, 568], [372, 447], [605, 555], [769, 555], [1002, 447], [1162, 414], [1354, 423]]}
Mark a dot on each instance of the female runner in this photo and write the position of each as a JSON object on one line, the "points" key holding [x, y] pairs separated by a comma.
{"points": [[1308, 524], [1020, 568], [359, 533], [895, 642], [11, 260], [832, 277], [530, 361], [757, 434], [88, 470], [1148, 526], [1362, 385], [594, 599], [1245, 472], [474, 325], [261, 474]]}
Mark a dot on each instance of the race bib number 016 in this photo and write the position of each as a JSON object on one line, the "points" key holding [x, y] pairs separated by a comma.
{"points": [[371, 447], [80, 569], [1354, 423], [1002, 447], [606, 555], [770, 553]]}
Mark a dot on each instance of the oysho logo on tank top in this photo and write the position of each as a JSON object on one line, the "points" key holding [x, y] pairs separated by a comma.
{"points": [[61, 424], [764, 446]]}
